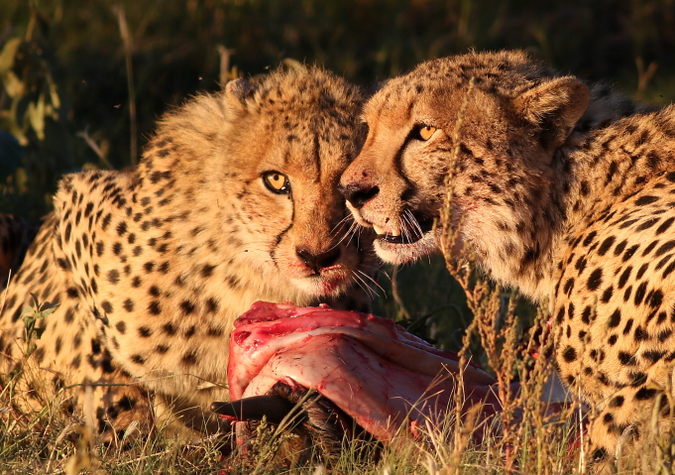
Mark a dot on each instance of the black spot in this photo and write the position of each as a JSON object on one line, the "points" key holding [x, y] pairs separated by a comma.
{"points": [[614, 319], [595, 279], [586, 315], [653, 355], [640, 334], [570, 354], [607, 294], [589, 238], [211, 305], [647, 224], [187, 306], [128, 305], [606, 244], [144, 332], [629, 252], [665, 225], [189, 358], [161, 349], [599, 454], [649, 248], [645, 200], [656, 299], [113, 276], [616, 401], [641, 271], [121, 228], [644, 394], [107, 306], [640, 293], [138, 359], [627, 359], [154, 308], [665, 247], [207, 270], [121, 327], [620, 247], [169, 329]]}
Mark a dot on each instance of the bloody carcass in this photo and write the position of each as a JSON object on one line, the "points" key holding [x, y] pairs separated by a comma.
{"points": [[376, 373]]}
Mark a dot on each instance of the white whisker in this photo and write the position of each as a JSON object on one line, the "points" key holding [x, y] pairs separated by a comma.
{"points": [[375, 283]]}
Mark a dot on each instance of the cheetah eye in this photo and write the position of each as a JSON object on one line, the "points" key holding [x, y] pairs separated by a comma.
{"points": [[276, 182], [424, 132]]}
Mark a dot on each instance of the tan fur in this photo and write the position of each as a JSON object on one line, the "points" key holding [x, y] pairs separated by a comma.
{"points": [[562, 191], [150, 266]]}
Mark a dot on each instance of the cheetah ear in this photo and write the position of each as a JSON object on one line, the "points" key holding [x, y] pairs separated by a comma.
{"points": [[554, 107], [238, 91]]}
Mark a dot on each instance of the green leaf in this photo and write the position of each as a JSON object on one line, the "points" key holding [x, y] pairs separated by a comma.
{"points": [[13, 85], [36, 116], [8, 54]]}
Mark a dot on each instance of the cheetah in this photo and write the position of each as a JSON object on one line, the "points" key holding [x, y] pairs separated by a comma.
{"points": [[562, 191], [234, 200]]}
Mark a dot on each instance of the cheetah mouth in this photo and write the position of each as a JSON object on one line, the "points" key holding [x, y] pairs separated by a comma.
{"points": [[416, 239], [329, 281], [414, 227]]}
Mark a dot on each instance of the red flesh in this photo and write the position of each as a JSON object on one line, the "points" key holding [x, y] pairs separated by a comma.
{"points": [[376, 372]]}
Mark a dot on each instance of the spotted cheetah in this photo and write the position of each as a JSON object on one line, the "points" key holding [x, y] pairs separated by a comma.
{"points": [[564, 192], [235, 200]]}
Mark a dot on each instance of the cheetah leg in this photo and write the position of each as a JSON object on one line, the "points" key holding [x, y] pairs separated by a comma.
{"points": [[618, 428], [118, 407]]}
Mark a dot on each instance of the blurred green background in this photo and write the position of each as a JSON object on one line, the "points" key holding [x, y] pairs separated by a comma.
{"points": [[83, 81]]}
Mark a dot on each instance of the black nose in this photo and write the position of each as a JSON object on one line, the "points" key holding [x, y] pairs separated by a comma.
{"points": [[316, 262], [357, 195]]}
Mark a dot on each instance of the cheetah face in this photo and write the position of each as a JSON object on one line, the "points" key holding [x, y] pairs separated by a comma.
{"points": [[397, 183], [436, 131], [295, 228]]}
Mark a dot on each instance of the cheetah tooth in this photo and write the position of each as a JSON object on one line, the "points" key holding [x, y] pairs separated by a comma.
{"points": [[378, 230]]}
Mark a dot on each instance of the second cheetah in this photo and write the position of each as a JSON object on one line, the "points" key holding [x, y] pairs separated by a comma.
{"points": [[565, 192]]}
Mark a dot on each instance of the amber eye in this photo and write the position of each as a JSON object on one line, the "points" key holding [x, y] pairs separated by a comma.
{"points": [[424, 132], [276, 182]]}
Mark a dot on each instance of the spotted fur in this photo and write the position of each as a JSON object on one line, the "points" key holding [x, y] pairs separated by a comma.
{"points": [[563, 191], [149, 267]]}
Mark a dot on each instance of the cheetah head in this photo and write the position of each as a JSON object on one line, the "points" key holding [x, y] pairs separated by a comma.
{"points": [[492, 120], [259, 165]]}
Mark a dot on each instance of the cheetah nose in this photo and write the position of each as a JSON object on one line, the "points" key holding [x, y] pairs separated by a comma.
{"points": [[319, 261], [358, 194]]}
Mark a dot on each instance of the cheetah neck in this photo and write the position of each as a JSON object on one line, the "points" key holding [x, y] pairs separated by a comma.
{"points": [[608, 165], [612, 163], [596, 168]]}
